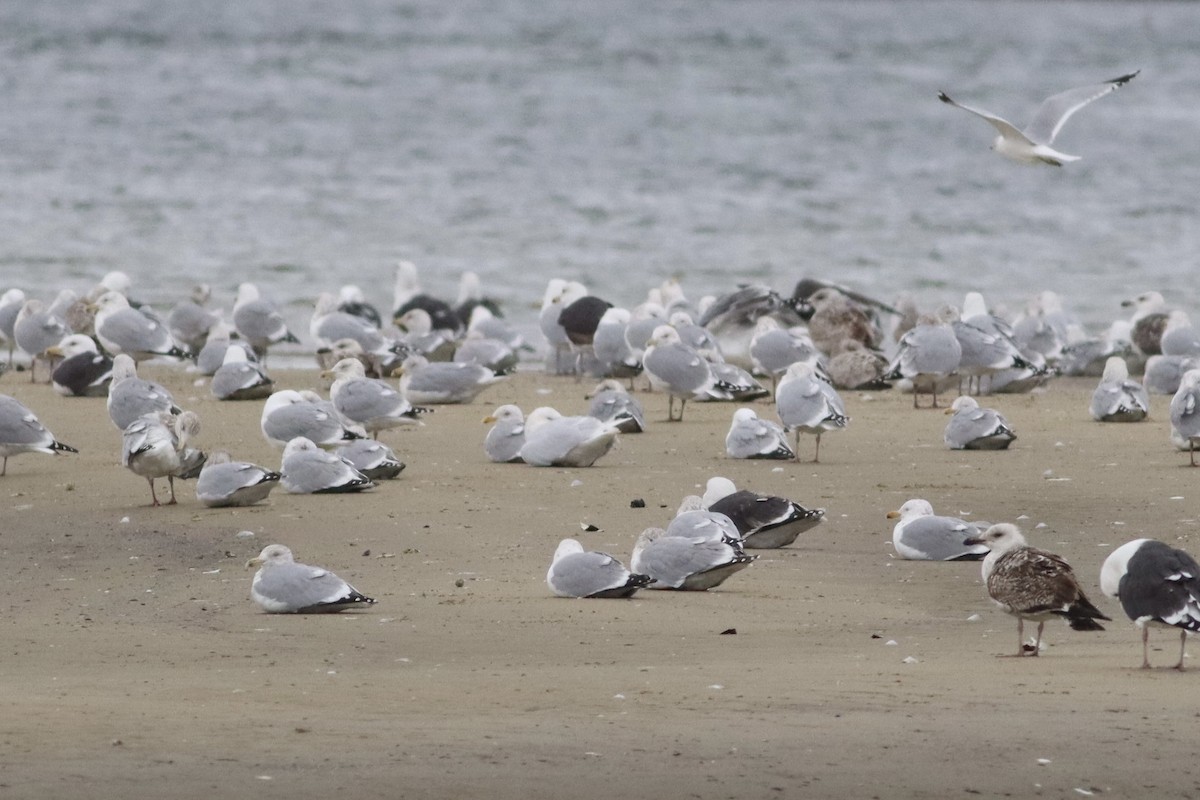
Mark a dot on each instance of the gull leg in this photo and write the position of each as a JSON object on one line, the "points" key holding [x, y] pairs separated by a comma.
{"points": [[1037, 645], [4, 469], [1182, 649], [1020, 639], [1146, 648], [153, 496], [682, 403], [171, 482], [817, 453]]}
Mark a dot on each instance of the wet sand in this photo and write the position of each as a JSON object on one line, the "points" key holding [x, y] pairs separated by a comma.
{"points": [[137, 666]]}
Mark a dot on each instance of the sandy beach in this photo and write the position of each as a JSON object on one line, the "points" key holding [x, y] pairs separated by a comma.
{"points": [[136, 664]]}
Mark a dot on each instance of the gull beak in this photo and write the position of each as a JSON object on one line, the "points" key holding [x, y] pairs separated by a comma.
{"points": [[973, 540], [489, 419], [254, 562], [53, 351], [893, 515], [327, 375], [948, 411]]}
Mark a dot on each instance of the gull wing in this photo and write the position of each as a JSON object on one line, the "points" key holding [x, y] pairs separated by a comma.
{"points": [[1006, 128], [1055, 110]]}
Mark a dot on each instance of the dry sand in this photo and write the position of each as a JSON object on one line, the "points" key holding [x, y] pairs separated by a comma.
{"points": [[135, 664]]}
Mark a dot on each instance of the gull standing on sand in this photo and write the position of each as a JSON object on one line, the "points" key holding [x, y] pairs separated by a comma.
{"points": [[920, 535], [576, 572], [374, 459], [1157, 585], [764, 521], [1032, 584], [506, 437], [752, 437], [1117, 398], [258, 321], [688, 563], [156, 446], [121, 328], [224, 482], [928, 354], [1185, 414], [680, 371], [239, 378], [288, 414], [307, 469], [975, 428], [1032, 145], [369, 402], [552, 440], [807, 404], [35, 330], [281, 586], [22, 432], [189, 322], [131, 397], [11, 303], [83, 371]]}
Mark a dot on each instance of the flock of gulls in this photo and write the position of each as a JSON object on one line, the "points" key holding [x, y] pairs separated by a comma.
{"points": [[794, 352]]}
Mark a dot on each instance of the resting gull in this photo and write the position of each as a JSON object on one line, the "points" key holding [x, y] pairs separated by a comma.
{"points": [[239, 378], [22, 432], [506, 437], [857, 367], [1149, 321], [1157, 585], [807, 404], [612, 404], [693, 519], [764, 521], [687, 563], [614, 356], [369, 402], [288, 414], [121, 328], [374, 459], [307, 469], [1034, 585], [83, 371], [476, 348], [258, 321], [281, 586], [1117, 398], [130, 397], [975, 428], [225, 482], [773, 348], [1164, 373], [1032, 145], [1180, 338], [37, 329], [733, 318], [552, 440], [928, 353], [920, 535], [752, 437], [10, 306], [155, 445], [407, 295], [189, 322], [1185, 414], [576, 572], [443, 382]]}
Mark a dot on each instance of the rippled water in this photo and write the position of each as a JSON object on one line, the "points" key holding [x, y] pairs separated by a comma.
{"points": [[308, 144]]}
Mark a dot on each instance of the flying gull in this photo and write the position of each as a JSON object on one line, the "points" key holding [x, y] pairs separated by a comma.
{"points": [[1032, 145]]}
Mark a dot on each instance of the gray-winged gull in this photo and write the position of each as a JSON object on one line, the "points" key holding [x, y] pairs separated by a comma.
{"points": [[552, 440], [807, 404], [613, 354], [733, 317], [155, 445], [576, 572], [307, 469], [773, 348], [288, 414], [131, 397], [258, 321], [190, 322], [506, 437], [121, 328], [680, 371], [1149, 321], [281, 586], [1032, 584], [477, 348], [35, 330], [693, 519], [1032, 145], [374, 459], [1117, 398], [764, 521], [370, 402], [1179, 337], [920, 535], [752, 437], [239, 378], [927, 354], [976, 428], [1157, 585], [225, 482], [22, 432], [687, 563], [83, 370], [423, 381], [1185, 414], [10, 306], [1163, 373], [611, 403]]}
